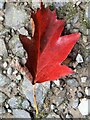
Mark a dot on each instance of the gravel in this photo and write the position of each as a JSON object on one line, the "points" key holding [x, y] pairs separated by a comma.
{"points": [[65, 97]]}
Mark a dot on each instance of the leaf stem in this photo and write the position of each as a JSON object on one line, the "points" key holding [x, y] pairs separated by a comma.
{"points": [[35, 103]]}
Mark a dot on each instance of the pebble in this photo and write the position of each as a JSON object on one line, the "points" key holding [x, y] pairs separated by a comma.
{"points": [[52, 115], [2, 110], [84, 106], [72, 82], [79, 94], [3, 50], [83, 30], [52, 106], [15, 72], [75, 103], [1, 4], [16, 46], [18, 77], [85, 39], [88, 47], [87, 12], [79, 58], [18, 113], [83, 79], [15, 17], [4, 80], [9, 71], [87, 91], [1, 18], [14, 102], [2, 97], [57, 82], [23, 31], [87, 58], [68, 116], [25, 104], [5, 64], [1, 57]]}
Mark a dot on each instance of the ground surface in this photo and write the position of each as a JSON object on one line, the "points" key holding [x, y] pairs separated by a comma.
{"points": [[66, 98]]}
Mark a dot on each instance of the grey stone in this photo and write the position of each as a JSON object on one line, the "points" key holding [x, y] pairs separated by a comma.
{"points": [[2, 4], [25, 104], [3, 50], [2, 110], [88, 47], [16, 46], [83, 30], [87, 58], [79, 94], [18, 113], [72, 82], [87, 11], [15, 17], [2, 97], [53, 115], [75, 103], [15, 102], [4, 80], [27, 89]]}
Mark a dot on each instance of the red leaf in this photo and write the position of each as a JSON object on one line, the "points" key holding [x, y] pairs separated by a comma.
{"points": [[47, 50]]}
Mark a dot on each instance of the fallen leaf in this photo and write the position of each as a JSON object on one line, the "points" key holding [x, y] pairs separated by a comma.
{"points": [[48, 49]]}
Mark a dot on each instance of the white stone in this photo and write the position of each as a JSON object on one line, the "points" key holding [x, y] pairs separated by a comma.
{"points": [[15, 72], [79, 58], [5, 64], [57, 82], [23, 31], [87, 91], [53, 115], [52, 107], [18, 113], [84, 106], [1, 18], [9, 71], [15, 17], [83, 79], [18, 77]]}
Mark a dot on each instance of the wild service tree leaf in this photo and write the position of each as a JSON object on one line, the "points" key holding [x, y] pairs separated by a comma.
{"points": [[47, 50]]}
